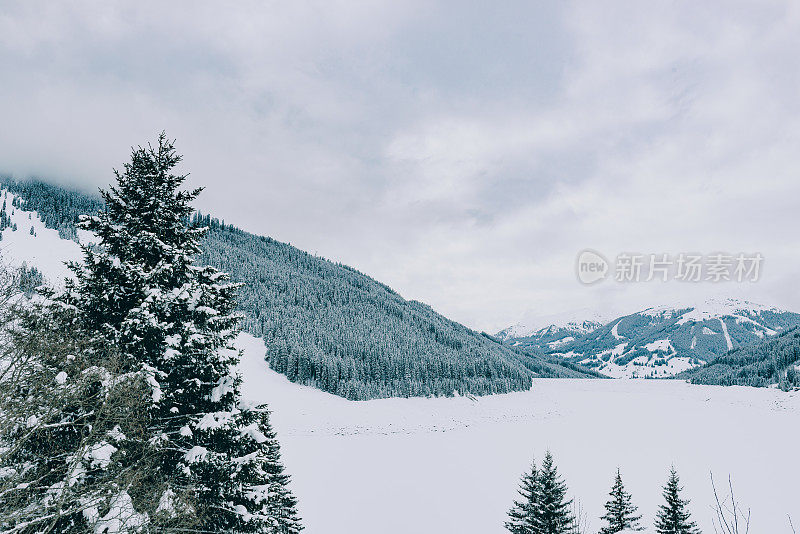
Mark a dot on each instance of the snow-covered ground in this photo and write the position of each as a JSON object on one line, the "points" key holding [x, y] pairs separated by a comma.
{"points": [[43, 248], [452, 465]]}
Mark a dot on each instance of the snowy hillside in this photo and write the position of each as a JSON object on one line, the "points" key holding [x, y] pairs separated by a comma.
{"points": [[656, 342], [666, 340], [775, 362], [327, 324], [456, 462], [35, 245]]}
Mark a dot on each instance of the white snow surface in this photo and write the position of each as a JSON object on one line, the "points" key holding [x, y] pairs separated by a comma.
{"points": [[453, 464], [121, 517], [660, 344], [717, 308], [100, 454], [726, 334], [760, 333], [642, 366], [615, 330], [562, 341], [46, 250]]}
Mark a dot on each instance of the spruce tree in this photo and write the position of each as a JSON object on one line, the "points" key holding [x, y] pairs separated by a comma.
{"points": [[620, 511], [523, 516], [673, 517], [553, 514], [216, 463]]}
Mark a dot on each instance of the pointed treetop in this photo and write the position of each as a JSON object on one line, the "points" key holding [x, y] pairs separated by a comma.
{"points": [[673, 517], [620, 511]]}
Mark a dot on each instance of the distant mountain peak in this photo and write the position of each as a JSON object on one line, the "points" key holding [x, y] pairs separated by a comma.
{"points": [[579, 321], [713, 307], [658, 341]]}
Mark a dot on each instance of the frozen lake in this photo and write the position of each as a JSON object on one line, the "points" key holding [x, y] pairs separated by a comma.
{"points": [[453, 464]]}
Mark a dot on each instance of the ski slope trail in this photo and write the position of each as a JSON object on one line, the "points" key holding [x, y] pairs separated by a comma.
{"points": [[727, 335]]}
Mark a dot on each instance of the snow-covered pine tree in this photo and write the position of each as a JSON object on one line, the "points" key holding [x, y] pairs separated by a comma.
{"points": [[620, 511], [553, 515], [673, 517], [217, 464], [523, 516], [278, 504]]}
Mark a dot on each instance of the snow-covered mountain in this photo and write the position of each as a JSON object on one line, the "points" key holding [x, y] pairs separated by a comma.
{"points": [[665, 340], [354, 336], [655, 342], [547, 332]]}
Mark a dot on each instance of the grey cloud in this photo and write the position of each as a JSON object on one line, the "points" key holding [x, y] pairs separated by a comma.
{"points": [[462, 153]]}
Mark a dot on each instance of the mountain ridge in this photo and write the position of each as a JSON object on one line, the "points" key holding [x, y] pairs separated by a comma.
{"points": [[774, 362], [579, 321], [662, 341], [325, 324]]}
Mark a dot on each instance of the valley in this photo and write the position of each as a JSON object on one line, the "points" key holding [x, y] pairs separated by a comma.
{"points": [[399, 268], [453, 463]]}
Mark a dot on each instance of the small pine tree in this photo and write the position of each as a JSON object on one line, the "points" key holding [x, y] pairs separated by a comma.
{"points": [[554, 515], [522, 518], [279, 504], [620, 511], [673, 517]]}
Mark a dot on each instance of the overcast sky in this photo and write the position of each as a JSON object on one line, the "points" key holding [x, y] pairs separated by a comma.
{"points": [[461, 152]]}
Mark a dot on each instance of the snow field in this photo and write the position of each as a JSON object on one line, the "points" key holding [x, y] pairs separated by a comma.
{"points": [[453, 464], [46, 250]]}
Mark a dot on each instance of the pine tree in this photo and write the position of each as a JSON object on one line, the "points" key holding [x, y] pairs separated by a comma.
{"points": [[553, 514], [620, 511], [216, 462], [280, 505], [523, 516], [673, 517]]}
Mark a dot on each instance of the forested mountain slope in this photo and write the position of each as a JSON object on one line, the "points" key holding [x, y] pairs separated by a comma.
{"points": [[776, 361], [663, 341], [57, 207], [329, 326]]}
